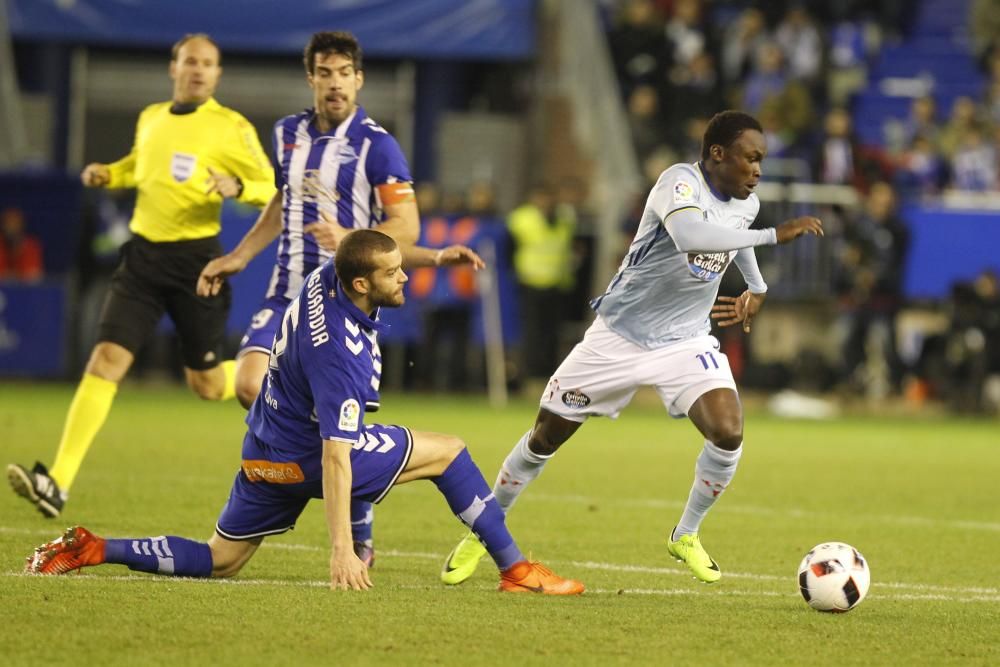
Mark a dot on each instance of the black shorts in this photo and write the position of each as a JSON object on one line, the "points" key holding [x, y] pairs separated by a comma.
{"points": [[153, 278]]}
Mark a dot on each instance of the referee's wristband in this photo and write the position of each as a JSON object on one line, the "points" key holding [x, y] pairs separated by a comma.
{"points": [[239, 186]]}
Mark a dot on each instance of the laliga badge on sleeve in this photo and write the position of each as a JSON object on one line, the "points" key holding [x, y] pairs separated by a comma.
{"points": [[350, 411], [683, 193]]}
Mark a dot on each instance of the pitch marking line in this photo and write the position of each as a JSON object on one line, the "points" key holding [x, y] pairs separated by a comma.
{"points": [[930, 591]]}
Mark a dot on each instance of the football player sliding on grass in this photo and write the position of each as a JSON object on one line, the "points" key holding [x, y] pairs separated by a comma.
{"points": [[307, 439]]}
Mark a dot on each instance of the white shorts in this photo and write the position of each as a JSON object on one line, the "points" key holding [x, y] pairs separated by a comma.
{"points": [[604, 370]]}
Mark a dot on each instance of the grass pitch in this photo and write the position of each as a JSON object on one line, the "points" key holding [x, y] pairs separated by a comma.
{"points": [[917, 497]]}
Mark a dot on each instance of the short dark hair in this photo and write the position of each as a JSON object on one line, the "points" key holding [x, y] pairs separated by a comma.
{"points": [[337, 41], [725, 128], [356, 254], [176, 49]]}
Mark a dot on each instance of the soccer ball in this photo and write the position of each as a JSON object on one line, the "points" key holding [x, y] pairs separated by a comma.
{"points": [[834, 576]]}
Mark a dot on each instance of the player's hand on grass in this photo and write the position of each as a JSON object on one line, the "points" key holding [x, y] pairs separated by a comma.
{"points": [[348, 572], [730, 310], [456, 255], [327, 232], [95, 175], [791, 230], [214, 275], [230, 187]]}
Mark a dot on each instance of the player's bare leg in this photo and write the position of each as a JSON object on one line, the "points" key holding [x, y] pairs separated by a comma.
{"points": [[718, 415], [251, 367]]}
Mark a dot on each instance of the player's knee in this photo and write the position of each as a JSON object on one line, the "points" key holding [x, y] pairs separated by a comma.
{"points": [[450, 447], [223, 567], [542, 442], [109, 362], [729, 439]]}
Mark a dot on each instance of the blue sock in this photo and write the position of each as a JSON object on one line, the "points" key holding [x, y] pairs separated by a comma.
{"points": [[362, 518], [161, 555], [472, 501]]}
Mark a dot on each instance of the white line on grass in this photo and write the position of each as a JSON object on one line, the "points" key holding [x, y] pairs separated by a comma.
{"points": [[677, 592], [933, 592]]}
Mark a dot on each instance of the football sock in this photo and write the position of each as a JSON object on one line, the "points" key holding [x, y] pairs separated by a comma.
{"points": [[469, 497], [86, 415], [161, 555], [362, 517], [229, 388], [713, 471], [520, 467]]}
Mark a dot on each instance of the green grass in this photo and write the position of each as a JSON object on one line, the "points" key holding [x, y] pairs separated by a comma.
{"points": [[917, 497]]}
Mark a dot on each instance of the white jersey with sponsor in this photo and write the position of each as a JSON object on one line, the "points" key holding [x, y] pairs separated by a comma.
{"points": [[660, 294]]}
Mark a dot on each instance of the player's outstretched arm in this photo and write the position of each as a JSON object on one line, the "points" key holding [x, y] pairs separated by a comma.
{"points": [[730, 310], [415, 257], [347, 571], [793, 229], [265, 230]]}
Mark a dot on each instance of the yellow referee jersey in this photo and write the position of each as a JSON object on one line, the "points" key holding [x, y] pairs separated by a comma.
{"points": [[169, 166]]}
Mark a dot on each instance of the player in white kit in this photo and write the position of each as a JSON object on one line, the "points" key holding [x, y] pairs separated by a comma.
{"points": [[652, 329]]}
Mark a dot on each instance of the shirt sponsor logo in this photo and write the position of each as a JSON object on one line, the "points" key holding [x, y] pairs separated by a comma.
{"points": [[273, 472], [575, 399], [182, 166], [350, 413], [683, 192], [709, 265]]}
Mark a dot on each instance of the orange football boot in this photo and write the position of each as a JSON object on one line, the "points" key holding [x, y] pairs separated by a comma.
{"points": [[77, 548], [531, 577]]}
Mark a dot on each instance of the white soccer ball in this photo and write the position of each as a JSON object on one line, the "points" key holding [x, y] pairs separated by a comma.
{"points": [[834, 576]]}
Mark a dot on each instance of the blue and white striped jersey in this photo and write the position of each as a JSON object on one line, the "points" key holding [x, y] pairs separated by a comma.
{"points": [[336, 172], [662, 294]]}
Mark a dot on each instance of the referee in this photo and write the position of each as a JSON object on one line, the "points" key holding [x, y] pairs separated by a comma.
{"points": [[189, 154]]}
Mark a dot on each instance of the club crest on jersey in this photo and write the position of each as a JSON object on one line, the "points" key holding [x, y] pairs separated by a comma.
{"points": [[683, 193], [708, 266], [182, 166], [575, 399], [350, 413]]}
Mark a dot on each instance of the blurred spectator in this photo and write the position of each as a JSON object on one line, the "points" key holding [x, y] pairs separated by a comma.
{"points": [[646, 121], [428, 196], [921, 170], [543, 247], [640, 50], [848, 61], [964, 117], [974, 166], [20, 252], [767, 79], [800, 40], [842, 160], [956, 364], [741, 41], [984, 25], [869, 286], [685, 33], [698, 85], [481, 200], [922, 121]]}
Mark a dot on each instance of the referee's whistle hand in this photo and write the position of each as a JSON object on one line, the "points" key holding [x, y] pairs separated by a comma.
{"points": [[95, 175], [226, 185]]}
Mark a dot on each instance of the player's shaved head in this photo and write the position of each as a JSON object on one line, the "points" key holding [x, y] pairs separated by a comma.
{"points": [[725, 128], [356, 253]]}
